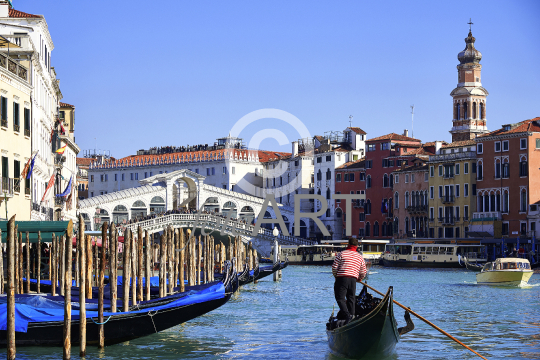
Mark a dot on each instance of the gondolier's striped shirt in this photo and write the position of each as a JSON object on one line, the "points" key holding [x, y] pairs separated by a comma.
{"points": [[349, 263]]}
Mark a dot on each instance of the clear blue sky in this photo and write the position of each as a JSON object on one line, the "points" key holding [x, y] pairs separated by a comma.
{"points": [[156, 73]]}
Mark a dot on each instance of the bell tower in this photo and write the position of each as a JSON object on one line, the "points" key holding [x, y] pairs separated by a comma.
{"points": [[469, 97]]}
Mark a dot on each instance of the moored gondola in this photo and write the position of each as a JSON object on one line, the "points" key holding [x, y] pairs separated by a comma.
{"points": [[372, 332], [146, 318]]}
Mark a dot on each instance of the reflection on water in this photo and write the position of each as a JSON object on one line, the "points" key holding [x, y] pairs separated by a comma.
{"points": [[286, 320]]}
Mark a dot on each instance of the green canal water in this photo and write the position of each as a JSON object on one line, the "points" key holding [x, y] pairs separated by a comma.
{"points": [[286, 320]]}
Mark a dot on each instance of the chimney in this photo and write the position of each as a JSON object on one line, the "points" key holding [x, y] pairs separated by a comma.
{"points": [[4, 9], [406, 133], [438, 145], [294, 149]]}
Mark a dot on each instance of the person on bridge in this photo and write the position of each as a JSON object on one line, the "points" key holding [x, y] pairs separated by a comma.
{"points": [[348, 268]]}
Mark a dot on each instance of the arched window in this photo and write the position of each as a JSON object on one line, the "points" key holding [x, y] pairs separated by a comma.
{"points": [[391, 180], [465, 110], [328, 193], [384, 228], [319, 175], [376, 229], [406, 225], [396, 200], [396, 225], [120, 214], [138, 210], [475, 113], [458, 111], [368, 181], [406, 199], [328, 174], [385, 180], [481, 111], [368, 229]]}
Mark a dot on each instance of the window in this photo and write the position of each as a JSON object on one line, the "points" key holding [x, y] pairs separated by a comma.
{"points": [[440, 191], [328, 158], [208, 172], [412, 178], [497, 146], [385, 163], [431, 171], [522, 144], [406, 199], [224, 170], [396, 201], [385, 181], [368, 182], [91, 194], [426, 178], [457, 190], [497, 169], [327, 212], [328, 195], [338, 177], [338, 201], [431, 192], [523, 169], [474, 168], [480, 173], [329, 174], [346, 177], [406, 178], [505, 145], [538, 143], [16, 117], [466, 212], [145, 174], [457, 212], [361, 217], [480, 148], [232, 170], [4, 109], [137, 176], [106, 177], [132, 176], [505, 170], [27, 122], [296, 162], [396, 178], [369, 163], [440, 170], [466, 168], [466, 190], [504, 230], [123, 177], [474, 189], [150, 173], [457, 169], [91, 178], [115, 177], [351, 177], [371, 147], [319, 160]]}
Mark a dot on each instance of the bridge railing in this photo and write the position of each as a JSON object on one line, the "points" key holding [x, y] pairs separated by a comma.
{"points": [[216, 223]]}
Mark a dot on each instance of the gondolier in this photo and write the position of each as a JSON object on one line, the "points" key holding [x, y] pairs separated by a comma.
{"points": [[348, 268]]}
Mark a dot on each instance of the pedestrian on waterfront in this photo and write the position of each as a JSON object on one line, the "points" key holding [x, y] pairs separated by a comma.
{"points": [[348, 268]]}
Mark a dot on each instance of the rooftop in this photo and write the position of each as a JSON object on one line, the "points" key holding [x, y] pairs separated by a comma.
{"points": [[531, 125], [358, 164], [358, 130], [394, 137], [456, 144], [19, 14], [65, 105]]}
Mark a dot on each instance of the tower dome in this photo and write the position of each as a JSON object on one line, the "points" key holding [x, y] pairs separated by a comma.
{"points": [[469, 54]]}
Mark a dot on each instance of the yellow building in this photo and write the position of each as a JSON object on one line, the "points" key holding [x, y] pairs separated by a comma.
{"points": [[452, 189], [67, 116], [15, 135]]}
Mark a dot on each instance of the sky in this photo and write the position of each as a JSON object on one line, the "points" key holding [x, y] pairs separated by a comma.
{"points": [[172, 72]]}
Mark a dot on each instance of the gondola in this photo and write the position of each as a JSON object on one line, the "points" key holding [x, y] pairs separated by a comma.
{"points": [[372, 332], [146, 318], [268, 270], [470, 266]]}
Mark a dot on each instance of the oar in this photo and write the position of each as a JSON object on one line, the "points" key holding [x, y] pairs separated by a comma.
{"points": [[426, 321]]}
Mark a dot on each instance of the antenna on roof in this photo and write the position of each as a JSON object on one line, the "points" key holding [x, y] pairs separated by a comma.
{"points": [[350, 120], [412, 120]]}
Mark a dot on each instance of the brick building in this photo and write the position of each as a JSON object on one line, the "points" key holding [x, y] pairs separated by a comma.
{"points": [[351, 179], [508, 185]]}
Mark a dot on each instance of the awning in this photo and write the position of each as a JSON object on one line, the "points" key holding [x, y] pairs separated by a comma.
{"points": [[47, 228]]}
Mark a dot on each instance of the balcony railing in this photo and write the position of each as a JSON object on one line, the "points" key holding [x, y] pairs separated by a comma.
{"points": [[14, 67], [59, 201], [36, 207], [6, 187], [448, 199], [447, 220], [448, 176], [491, 215], [16, 128], [3, 123], [358, 203], [26, 191], [417, 209], [27, 132], [17, 185]]}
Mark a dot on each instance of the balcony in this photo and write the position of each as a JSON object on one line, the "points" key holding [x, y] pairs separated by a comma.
{"points": [[14, 67], [487, 216], [417, 209], [16, 128], [17, 185], [358, 203], [3, 123], [448, 199], [36, 207], [447, 220], [453, 157], [448, 176], [7, 187], [59, 201], [27, 132]]}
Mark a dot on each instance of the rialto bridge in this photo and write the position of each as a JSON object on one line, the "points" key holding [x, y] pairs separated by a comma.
{"points": [[185, 191]]}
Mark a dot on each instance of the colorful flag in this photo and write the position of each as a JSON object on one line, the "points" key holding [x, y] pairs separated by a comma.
{"points": [[68, 188], [382, 206], [26, 167], [49, 185], [61, 150], [27, 172], [62, 127]]}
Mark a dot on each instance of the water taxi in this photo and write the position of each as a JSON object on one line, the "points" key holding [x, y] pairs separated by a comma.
{"points": [[431, 255], [505, 271]]}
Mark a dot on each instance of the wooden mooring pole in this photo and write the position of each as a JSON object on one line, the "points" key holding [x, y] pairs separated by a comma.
{"points": [[140, 264], [11, 245], [181, 261], [81, 245], [101, 325], [52, 259], [68, 263], [113, 254], [127, 270], [89, 267], [38, 277], [27, 263], [147, 273]]}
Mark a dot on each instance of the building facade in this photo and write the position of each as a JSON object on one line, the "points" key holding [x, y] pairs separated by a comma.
{"points": [[508, 185], [351, 179], [15, 136]]}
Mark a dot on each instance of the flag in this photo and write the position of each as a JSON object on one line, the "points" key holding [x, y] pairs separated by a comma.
{"points": [[385, 206], [62, 127], [68, 188], [61, 150], [382, 206], [27, 172], [49, 185], [26, 167]]}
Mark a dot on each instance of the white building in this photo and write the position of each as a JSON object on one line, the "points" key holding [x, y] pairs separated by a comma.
{"points": [[31, 34]]}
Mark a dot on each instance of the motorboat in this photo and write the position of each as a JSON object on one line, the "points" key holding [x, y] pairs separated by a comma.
{"points": [[505, 271]]}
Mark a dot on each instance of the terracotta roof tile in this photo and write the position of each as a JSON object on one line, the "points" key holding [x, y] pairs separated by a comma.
{"points": [[412, 168], [358, 130], [432, 143], [19, 14], [523, 126], [394, 136], [64, 105], [460, 144], [418, 151], [358, 164], [84, 161]]}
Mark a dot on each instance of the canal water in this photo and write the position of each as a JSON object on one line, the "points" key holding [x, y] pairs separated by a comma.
{"points": [[286, 320]]}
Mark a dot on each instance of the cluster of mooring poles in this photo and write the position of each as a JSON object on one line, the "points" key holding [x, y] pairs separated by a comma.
{"points": [[179, 259]]}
